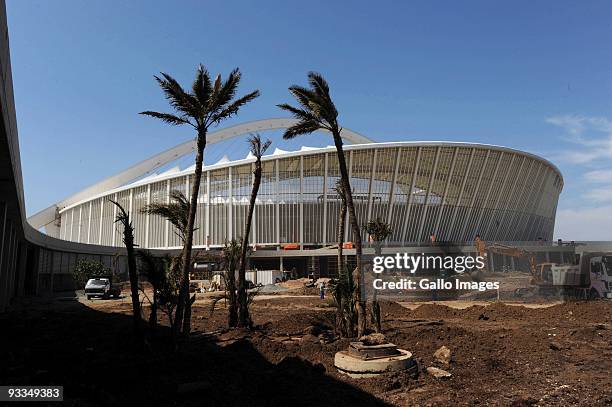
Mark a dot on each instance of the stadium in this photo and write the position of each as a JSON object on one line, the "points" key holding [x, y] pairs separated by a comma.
{"points": [[446, 191]]}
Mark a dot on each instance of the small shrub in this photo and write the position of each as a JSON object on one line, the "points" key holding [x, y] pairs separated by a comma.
{"points": [[86, 269]]}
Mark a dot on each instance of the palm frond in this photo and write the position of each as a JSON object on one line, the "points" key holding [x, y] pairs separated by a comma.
{"points": [[207, 104], [167, 118], [202, 87], [319, 84], [178, 98], [299, 114], [257, 148], [305, 97], [176, 212], [305, 127], [233, 108], [226, 90]]}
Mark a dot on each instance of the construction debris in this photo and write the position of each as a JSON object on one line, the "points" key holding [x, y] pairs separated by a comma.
{"points": [[438, 373]]}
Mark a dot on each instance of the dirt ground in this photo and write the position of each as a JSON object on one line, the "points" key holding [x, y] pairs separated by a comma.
{"points": [[502, 354]]}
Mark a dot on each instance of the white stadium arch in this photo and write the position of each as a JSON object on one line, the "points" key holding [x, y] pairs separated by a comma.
{"points": [[49, 215]]}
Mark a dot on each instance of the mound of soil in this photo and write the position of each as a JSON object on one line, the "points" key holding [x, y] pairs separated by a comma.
{"points": [[500, 355]]}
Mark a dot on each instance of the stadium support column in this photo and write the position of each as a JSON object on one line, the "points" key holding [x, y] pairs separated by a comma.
{"points": [[89, 223], [302, 202], [79, 225], [484, 203], [370, 188], [147, 216], [410, 194], [254, 219], [230, 207], [324, 229], [445, 193], [526, 200], [393, 185], [350, 172], [207, 234], [509, 198], [167, 226], [72, 223], [495, 213], [276, 204], [428, 194], [114, 217], [473, 201], [131, 205], [465, 178], [518, 201], [533, 227], [101, 220]]}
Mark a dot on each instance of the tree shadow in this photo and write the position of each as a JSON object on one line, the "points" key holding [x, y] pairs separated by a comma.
{"points": [[91, 353]]}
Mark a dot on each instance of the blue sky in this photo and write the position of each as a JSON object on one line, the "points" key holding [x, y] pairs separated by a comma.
{"points": [[533, 75]]}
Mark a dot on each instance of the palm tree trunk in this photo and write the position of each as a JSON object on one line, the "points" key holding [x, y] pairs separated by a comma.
{"points": [[340, 230], [244, 320], [359, 303], [375, 304], [232, 315], [133, 275], [341, 327], [195, 190]]}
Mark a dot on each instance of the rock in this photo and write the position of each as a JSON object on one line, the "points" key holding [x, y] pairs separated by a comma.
{"points": [[438, 373], [191, 387], [373, 339], [554, 346], [310, 338], [443, 355]]}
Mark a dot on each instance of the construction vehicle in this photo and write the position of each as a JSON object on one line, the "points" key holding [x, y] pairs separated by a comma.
{"points": [[589, 276]]}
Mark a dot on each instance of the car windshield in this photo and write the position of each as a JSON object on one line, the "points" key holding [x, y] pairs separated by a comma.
{"points": [[97, 281]]}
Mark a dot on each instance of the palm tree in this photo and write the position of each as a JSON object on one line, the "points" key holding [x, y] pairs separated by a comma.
{"points": [[343, 289], [123, 218], [176, 211], [208, 104], [378, 230], [317, 111], [257, 149]]}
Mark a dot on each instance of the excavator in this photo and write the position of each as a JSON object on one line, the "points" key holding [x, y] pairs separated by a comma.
{"points": [[540, 272]]}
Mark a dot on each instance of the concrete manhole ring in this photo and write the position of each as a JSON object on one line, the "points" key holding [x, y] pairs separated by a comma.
{"points": [[359, 368]]}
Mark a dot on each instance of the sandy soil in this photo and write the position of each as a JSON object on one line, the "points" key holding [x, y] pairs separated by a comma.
{"points": [[559, 354]]}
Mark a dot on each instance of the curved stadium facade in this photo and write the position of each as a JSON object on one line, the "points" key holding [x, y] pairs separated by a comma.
{"points": [[451, 190]]}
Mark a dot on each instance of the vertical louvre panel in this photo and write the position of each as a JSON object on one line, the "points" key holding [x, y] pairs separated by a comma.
{"points": [[157, 224], [265, 224], [219, 196], [313, 198], [289, 194], [242, 185], [139, 201], [402, 193]]}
